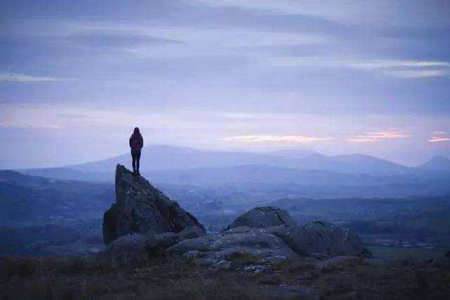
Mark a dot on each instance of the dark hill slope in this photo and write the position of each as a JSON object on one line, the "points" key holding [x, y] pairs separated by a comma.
{"points": [[437, 163], [31, 200]]}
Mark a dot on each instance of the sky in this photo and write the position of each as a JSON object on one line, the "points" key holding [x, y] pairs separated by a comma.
{"points": [[337, 77]]}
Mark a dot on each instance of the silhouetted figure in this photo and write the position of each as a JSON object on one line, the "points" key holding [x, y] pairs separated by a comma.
{"points": [[136, 144]]}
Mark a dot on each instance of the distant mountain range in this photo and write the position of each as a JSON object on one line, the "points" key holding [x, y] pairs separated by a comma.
{"points": [[179, 165], [438, 163]]}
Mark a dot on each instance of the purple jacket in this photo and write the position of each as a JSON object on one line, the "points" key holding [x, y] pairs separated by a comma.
{"points": [[136, 142]]}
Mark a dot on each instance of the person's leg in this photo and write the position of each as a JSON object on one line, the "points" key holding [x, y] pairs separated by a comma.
{"points": [[138, 158], [133, 156]]}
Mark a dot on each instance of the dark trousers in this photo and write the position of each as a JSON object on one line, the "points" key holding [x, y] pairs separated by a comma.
{"points": [[136, 155]]}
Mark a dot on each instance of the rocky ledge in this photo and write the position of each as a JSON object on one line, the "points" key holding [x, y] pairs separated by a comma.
{"points": [[141, 208], [144, 223]]}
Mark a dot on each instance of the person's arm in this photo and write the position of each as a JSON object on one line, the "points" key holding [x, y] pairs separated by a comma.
{"points": [[130, 140], [141, 142]]}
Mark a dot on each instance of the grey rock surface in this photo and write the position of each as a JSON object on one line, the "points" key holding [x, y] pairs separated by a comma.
{"points": [[320, 237], [137, 248], [261, 217], [252, 243], [270, 235], [141, 208], [126, 250], [315, 237]]}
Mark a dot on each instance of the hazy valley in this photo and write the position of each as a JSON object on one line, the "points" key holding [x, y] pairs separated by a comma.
{"points": [[60, 210]]}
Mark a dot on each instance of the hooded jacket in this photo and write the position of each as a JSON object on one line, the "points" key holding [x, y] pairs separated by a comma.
{"points": [[136, 141]]}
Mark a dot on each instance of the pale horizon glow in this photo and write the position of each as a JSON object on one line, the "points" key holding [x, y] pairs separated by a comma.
{"points": [[276, 139], [376, 136]]}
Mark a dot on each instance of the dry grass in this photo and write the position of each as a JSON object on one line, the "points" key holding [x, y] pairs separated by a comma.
{"points": [[78, 278], [164, 278], [243, 258]]}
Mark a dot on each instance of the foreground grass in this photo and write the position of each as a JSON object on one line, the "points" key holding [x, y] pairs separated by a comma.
{"points": [[168, 278]]}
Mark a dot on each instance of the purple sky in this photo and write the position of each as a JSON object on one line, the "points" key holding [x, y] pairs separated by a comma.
{"points": [[337, 77]]}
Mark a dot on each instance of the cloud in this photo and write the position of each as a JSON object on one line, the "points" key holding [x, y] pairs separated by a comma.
{"points": [[439, 137], [239, 116], [28, 125], [384, 12], [365, 64], [110, 38], [284, 7], [14, 77], [224, 44], [377, 64], [182, 42], [376, 136], [63, 116], [439, 132], [406, 68], [436, 139], [230, 36], [286, 139], [418, 73], [395, 68]]}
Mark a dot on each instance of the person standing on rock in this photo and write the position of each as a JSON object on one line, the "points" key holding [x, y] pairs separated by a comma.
{"points": [[136, 144]]}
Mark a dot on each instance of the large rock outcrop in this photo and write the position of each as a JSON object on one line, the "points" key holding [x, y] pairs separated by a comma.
{"points": [[269, 234], [144, 223], [141, 208]]}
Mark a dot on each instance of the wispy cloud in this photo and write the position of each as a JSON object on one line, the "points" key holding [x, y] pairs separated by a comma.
{"points": [[14, 77], [71, 116], [348, 12], [439, 132], [219, 37], [395, 68], [382, 64], [172, 42], [268, 6], [216, 42], [376, 136], [29, 125], [435, 139], [439, 137], [286, 139], [406, 68], [418, 73]]}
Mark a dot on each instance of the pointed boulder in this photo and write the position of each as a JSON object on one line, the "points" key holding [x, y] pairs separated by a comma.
{"points": [[141, 208]]}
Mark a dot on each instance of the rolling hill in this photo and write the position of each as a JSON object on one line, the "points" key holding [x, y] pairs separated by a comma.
{"points": [[28, 199], [437, 163], [159, 158]]}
